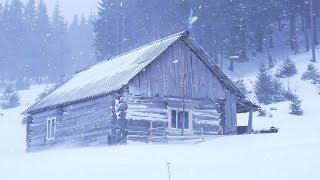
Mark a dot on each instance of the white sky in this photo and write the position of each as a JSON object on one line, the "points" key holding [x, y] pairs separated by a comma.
{"points": [[71, 7]]}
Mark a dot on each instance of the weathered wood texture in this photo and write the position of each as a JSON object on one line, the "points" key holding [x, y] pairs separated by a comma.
{"points": [[85, 123], [149, 116], [230, 113], [159, 86], [162, 77]]}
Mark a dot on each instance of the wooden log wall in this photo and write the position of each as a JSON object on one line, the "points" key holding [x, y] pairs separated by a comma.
{"points": [[149, 116], [162, 78], [81, 124], [154, 89]]}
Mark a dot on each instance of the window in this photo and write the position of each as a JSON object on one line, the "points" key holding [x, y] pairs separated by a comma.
{"points": [[51, 128], [177, 119]]}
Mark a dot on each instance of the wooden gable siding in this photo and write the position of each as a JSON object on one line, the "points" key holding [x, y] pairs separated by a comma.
{"points": [[160, 78], [78, 124]]}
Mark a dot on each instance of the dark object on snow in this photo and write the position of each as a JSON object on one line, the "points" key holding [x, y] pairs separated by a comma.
{"points": [[267, 131], [262, 113], [242, 129]]}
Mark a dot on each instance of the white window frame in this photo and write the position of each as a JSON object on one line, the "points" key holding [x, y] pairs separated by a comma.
{"points": [[176, 130], [51, 128]]}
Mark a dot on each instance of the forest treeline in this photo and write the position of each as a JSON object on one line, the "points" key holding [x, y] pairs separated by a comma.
{"points": [[39, 44], [42, 45], [225, 28]]}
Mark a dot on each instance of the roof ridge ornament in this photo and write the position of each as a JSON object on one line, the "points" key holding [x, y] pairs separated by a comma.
{"points": [[192, 19]]}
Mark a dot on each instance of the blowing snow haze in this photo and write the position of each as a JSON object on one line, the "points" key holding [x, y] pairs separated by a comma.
{"points": [[69, 9], [159, 89]]}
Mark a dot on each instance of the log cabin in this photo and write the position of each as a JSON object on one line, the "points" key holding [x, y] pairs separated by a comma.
{"points": [[169, 87]]}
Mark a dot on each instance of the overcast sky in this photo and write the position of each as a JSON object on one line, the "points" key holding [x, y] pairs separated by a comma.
{"points": [[72, 7]]}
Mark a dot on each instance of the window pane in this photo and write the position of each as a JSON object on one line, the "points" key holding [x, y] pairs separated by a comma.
{"points": [[53, 126], [174, 119], [186, 120], [180, 120], [48, 129]]}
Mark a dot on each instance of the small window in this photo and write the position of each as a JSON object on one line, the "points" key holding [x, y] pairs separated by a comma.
{"points": [[51, 128], [177, 119], [174, 119]]}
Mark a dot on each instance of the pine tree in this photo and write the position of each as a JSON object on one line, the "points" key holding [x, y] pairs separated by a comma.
{"points": [[10, 98], [235, 17], [30, 46], [105, 30], [4, 41], [87, 56], [312, 73], [294, 8], [287, 69], [241, 85], [14, 39], [42, 29], [15, 27], [29, 21], [81, 40], [75, 42], [295, 107], [268, 89], [2, 30], [58, 47]]}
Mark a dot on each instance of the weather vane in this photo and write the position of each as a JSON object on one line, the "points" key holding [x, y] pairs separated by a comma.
{"points": [[192, 19]]}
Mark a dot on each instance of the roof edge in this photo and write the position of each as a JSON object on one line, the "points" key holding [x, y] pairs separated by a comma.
{"points": [[182, 34], [31, 109]]}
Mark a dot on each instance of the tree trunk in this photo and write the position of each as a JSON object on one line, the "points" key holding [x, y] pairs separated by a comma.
{"points": [[259, 42], [117, 35], [293, 34], [270, 60], [231, 64], [271, 40], [215, 48], [307, 39], [122, 35], [279, 25], [303, 28], [243, 45], [2, 78], [313, 29]]}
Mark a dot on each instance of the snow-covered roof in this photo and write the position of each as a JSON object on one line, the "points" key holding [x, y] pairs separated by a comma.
{"points": [[111, 75]]}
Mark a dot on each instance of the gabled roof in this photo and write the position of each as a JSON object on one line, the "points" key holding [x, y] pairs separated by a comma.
{"points": [[111, 75]]}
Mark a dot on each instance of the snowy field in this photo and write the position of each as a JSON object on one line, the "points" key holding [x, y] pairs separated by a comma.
{"points": [[293, 153]]}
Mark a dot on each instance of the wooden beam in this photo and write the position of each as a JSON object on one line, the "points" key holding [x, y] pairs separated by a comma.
{"points": [[250, 122]]}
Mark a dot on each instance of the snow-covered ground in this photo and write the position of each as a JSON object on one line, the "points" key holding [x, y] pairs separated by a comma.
{"points": [[293, 153]]}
